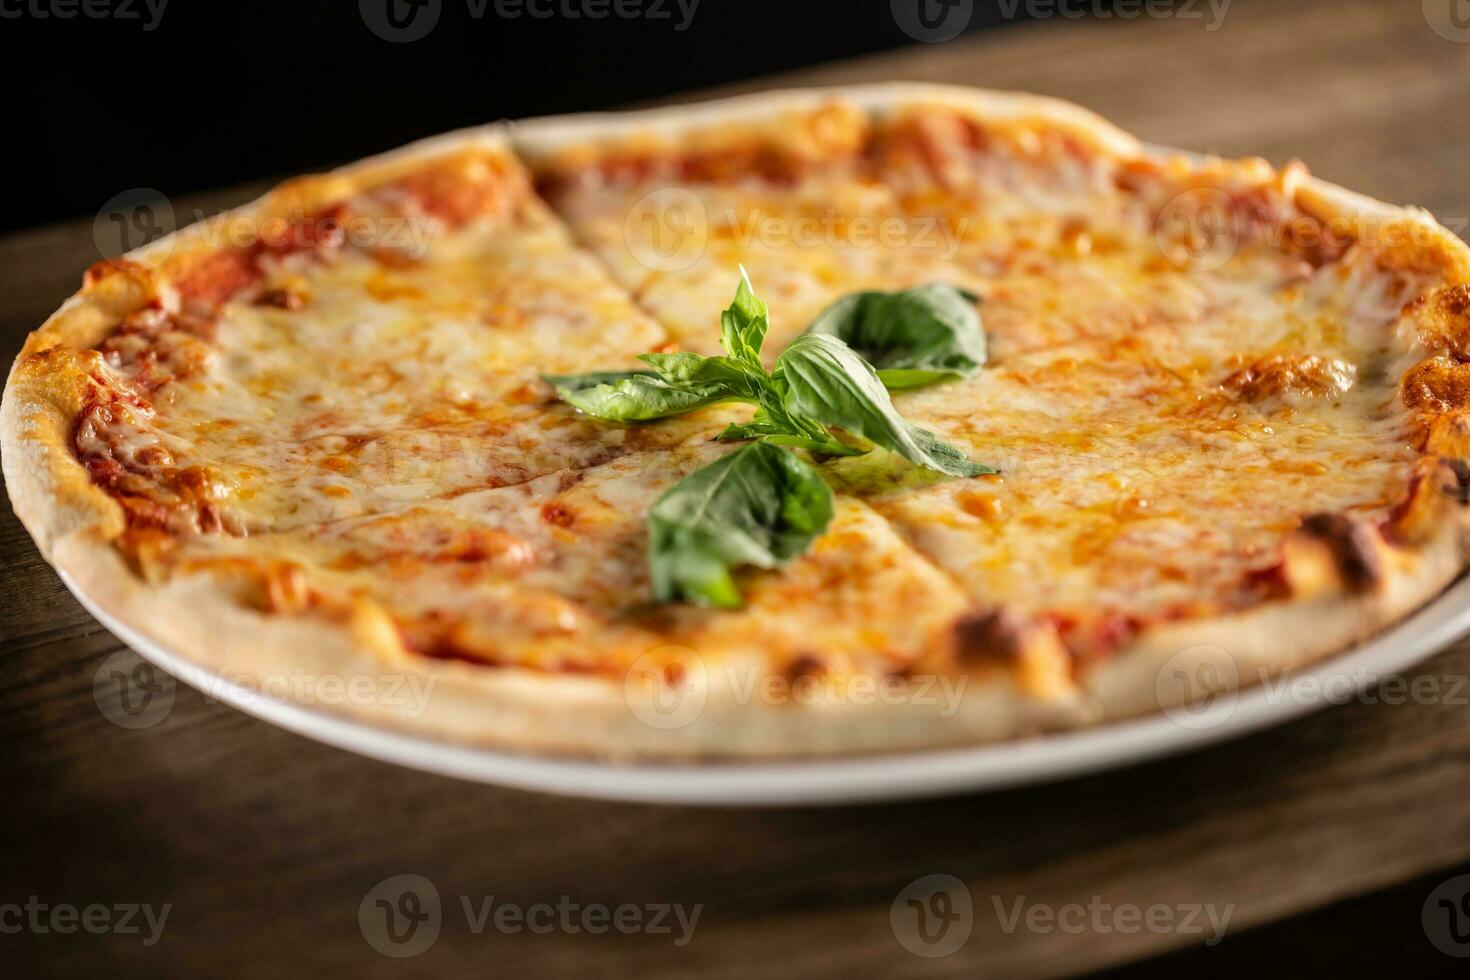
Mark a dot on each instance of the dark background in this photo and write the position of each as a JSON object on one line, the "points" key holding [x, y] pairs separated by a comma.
{"points": [[225, 92]]}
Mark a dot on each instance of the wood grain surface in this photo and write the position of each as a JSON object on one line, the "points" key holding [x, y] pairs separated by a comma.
{"points": [[264, 844]]}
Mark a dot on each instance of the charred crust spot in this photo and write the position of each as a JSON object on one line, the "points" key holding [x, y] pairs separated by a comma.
{"points": [[98, 271], [804, 665], [281, 299], [989, 637], [1284, 374], [1437, 385], [1444, 319], [1352, 544], [1456, 299]]}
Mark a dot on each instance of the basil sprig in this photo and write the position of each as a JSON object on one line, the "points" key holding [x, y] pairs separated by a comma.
{"points": [[818, 381], [759, 505], [912, 338]]}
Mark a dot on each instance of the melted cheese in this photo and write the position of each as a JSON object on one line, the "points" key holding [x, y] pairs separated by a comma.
{"points": [[553, 574], [397, 383], [1161, 424]]}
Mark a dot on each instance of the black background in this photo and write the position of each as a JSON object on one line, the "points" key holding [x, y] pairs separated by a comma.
{"points": [[224, 92]]}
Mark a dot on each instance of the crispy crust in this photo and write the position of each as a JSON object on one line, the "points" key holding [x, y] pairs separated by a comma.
{"points": [[74, 521]]}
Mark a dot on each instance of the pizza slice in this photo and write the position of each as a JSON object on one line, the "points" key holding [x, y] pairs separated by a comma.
{"points": [[349, 346], [676, 206]]}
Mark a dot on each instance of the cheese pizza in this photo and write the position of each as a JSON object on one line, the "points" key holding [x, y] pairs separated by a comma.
{"points": [[1009, 414]]}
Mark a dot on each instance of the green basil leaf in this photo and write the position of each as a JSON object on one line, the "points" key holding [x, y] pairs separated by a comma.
{"points": [[825, 379], [743, 325], [686, 370], [759, 506], [679, 368], [950, 459], [632, 396], [913, 338]]}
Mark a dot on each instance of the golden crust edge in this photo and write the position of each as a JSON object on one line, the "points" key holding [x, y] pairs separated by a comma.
{"points": [[519, 710], [538, 140]]}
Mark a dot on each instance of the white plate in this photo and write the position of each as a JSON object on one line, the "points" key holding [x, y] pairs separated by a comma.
{"points": [[864, 779]]}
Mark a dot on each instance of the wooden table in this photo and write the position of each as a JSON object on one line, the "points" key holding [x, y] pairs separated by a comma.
{"points": [[265, 844]]}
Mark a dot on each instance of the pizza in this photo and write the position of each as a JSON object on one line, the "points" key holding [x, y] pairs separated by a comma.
{"points": [[1011, 420]]}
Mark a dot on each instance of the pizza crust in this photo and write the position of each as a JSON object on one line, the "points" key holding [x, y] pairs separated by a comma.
{"points": [[542, 140], [74, 521]]}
